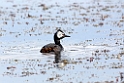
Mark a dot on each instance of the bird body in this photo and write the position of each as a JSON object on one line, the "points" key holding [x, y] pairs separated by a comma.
{"points": [[56, 46]]}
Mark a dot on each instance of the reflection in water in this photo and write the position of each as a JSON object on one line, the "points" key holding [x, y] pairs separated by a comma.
{"points": [[57, 56], [60, 63]]}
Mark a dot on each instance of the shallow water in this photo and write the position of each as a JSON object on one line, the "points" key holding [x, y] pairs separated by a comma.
{"points": [[94, 53]]}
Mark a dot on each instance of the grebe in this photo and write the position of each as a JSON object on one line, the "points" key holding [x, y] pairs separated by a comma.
{"points": [[55, 47]]}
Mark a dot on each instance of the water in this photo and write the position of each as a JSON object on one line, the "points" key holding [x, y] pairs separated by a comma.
{"points": [[94, 52]]}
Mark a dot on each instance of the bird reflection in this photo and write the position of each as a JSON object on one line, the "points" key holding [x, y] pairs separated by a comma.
{"points": [[57, 57], [60, 63], [57, 52]]}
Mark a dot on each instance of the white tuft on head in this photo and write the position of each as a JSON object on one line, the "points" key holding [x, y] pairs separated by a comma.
{"points": [[60, 34]]}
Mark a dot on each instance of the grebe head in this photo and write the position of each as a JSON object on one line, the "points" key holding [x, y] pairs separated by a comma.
{"points": [[60, 34]]}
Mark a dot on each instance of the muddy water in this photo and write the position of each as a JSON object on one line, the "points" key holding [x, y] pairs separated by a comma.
{"points": [[93, 54]]}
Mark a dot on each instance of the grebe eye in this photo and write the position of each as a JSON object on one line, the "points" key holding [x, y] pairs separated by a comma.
{"points": [[63, 34]]}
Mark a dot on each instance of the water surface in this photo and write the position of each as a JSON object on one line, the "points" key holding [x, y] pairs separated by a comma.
{"points": [[94, 53]]}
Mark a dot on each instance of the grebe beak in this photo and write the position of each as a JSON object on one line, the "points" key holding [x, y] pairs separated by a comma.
{"points": [[67, 36]]}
